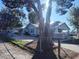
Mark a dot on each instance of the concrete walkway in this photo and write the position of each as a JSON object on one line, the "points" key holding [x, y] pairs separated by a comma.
{"points": [[14, 50]]}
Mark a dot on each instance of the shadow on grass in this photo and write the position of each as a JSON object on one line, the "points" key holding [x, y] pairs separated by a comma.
{"points": [[5, 38]]}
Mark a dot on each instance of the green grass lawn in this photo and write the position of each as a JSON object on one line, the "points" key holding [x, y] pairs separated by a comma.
{"points": [[21, 43]]}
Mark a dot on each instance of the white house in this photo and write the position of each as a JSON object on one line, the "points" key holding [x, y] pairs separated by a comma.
{"points": [[60, 30], [32, 29]]}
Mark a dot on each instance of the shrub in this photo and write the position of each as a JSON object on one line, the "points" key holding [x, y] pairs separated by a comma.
{"points": [[26, 33], [5, 38]]}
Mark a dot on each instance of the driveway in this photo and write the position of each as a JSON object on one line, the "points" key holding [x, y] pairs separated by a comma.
{"points": [[13, 52], [72, 47]]}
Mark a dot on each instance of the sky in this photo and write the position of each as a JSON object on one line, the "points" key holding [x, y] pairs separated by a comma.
{"points": [[61, 18], [54, 15]]}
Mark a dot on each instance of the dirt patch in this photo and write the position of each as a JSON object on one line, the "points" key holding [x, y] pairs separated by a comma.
{"points": [[32, 45], [65, 53]]}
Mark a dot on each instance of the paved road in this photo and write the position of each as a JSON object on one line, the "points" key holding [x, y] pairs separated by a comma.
{"points": [[22, 37], [14, 50], [72, 47]]}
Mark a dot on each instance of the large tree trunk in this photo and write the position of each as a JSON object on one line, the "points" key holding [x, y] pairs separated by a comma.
{"points": [[44, 48]]}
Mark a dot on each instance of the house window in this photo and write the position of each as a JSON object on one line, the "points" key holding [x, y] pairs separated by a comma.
{"points": [[32, 30]]}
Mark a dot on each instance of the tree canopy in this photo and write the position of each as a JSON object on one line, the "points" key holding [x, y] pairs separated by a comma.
{"points": [[10, 18], [63, 6], [33, 18], [74, 17]]}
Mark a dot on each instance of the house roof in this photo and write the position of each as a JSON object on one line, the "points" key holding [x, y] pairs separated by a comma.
{"points": [[57, 24], [35, 25], [63, 26], [60, 25]]}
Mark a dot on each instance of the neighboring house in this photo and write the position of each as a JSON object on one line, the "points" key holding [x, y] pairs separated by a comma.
{"points": [[32, 29], [60, 30], [73, 33]]}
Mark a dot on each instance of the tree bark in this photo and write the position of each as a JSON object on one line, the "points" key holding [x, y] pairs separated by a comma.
{"points": [[44, 48]]}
